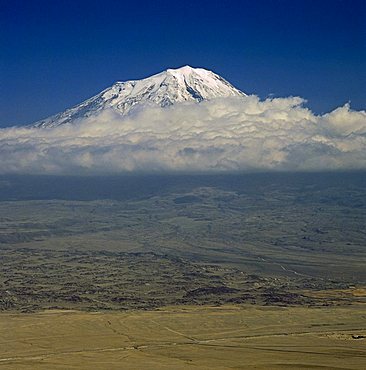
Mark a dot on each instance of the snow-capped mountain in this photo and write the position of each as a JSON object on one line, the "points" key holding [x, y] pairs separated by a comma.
{"points": [[164, 89]]}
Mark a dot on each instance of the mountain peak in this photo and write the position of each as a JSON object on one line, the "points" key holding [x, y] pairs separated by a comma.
{"points": [[183, 69], [163, 89], [188, 70]]}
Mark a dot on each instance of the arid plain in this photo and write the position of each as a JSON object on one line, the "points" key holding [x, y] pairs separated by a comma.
{"points": [[259, 272]]}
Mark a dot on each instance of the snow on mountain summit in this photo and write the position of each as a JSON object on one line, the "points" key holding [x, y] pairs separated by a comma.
{"points": [[163, 89]]}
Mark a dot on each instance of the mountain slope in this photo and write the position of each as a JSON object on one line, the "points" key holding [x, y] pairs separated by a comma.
{"points": [[164, 89]]}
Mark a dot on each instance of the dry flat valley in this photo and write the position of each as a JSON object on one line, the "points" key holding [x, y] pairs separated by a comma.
{"points": [[191, 337]]}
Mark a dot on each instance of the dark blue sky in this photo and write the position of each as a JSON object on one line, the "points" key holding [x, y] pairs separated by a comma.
{"points": [[54, 54]]}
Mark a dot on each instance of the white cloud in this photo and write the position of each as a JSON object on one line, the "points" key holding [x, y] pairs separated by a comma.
{"points": [[230, 134]]}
